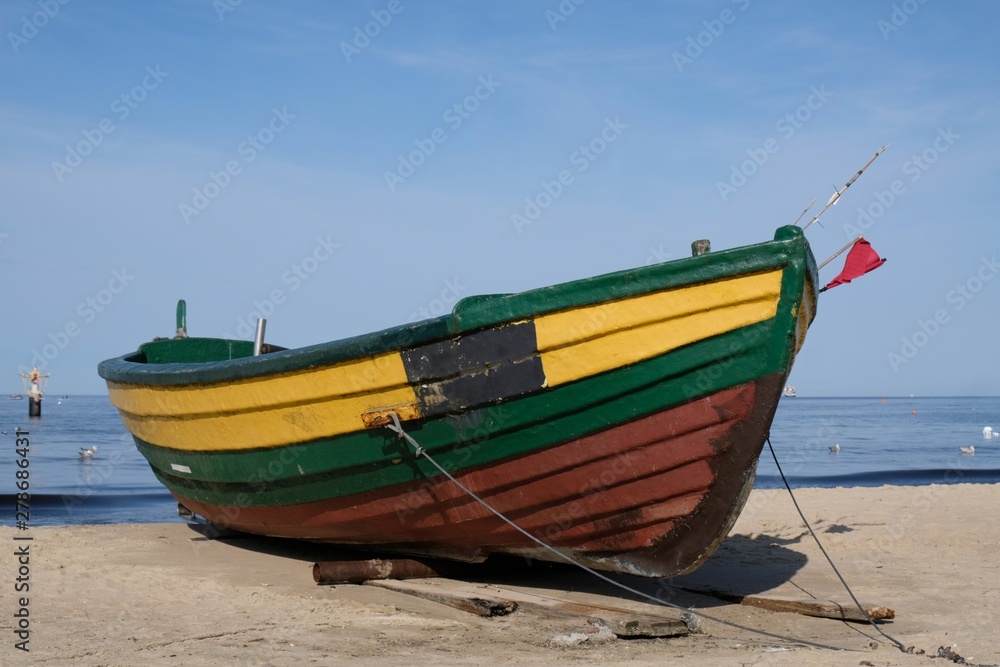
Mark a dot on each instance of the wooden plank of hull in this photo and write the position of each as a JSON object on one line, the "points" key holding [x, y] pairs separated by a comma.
{"points": [[468, 370], [600, 448], [325, 469], [625, 620], [651, 497]]}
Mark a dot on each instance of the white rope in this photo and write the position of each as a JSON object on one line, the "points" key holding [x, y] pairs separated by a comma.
{"points": [[829, 560], [397, 428]]}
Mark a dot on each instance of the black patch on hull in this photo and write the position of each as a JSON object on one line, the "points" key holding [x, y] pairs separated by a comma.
{"points": [[475, 369]]}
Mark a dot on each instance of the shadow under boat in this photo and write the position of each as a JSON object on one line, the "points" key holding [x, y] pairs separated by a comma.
{"points": [[742, 566]]}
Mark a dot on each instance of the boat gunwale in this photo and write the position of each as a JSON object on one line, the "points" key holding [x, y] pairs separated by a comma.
{"points": [[371, 461], [472, 314]]}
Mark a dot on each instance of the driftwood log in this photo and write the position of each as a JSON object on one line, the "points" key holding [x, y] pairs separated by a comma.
{"points": [[804, 606], [360, 571]]}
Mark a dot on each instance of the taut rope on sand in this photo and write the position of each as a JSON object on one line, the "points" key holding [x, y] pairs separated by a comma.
{"points": [[895, 641], [397, 428]]}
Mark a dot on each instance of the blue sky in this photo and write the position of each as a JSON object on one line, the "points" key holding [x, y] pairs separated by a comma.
{"points": [[345, 167]]}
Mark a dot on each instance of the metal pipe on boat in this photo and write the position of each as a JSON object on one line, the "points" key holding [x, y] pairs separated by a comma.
{"points": [[258, 338]]}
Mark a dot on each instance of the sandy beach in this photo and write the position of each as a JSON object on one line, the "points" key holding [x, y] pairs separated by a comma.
{"points": [[164, 594]]}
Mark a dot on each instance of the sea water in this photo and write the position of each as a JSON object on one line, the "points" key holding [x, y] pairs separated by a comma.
{"points": [[901, 441], [115, 486]]}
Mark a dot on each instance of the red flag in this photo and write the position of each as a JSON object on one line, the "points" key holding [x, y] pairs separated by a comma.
{"points": [[860, 260]]}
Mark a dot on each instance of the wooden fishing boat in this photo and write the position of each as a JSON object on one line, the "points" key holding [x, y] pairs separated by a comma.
{"points": [[618, 418]]}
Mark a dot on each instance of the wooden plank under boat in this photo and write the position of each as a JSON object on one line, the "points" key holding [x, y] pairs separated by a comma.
{"points": [[618, 418]]}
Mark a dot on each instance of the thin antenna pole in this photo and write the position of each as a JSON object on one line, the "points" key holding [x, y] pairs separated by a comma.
{"points": [[804, 211], [838, 253], [836, 195]]}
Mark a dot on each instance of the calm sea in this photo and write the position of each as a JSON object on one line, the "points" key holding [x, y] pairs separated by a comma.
{"points": [[882, 441]]}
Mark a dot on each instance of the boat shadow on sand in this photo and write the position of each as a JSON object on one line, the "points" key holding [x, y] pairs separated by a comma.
{"points": [[742, 565]]}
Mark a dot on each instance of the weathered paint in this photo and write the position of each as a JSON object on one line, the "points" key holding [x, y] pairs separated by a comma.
{"points": [[357, 462], [586, 341], [453, 375], [475, 369], [525, 396], [613, 498]]}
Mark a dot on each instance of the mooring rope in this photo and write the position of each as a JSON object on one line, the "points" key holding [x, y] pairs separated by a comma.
{"points": [[397, 428], [829, 560]]}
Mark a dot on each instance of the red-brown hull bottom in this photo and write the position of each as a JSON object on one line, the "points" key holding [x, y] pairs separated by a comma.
{"points": [[652, 497]]}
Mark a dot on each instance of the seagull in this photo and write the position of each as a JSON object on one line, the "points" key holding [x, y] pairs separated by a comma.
{"points": [[88, 453], [970, 450], [835, 449]]}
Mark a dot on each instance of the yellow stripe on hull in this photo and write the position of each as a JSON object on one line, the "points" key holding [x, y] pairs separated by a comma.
{"points": [[358, 376], [266, 412], [585, 341], [804, 315], [326, 402]]}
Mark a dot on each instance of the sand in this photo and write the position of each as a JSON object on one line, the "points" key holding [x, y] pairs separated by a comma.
{"points": [[162, 594]]}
